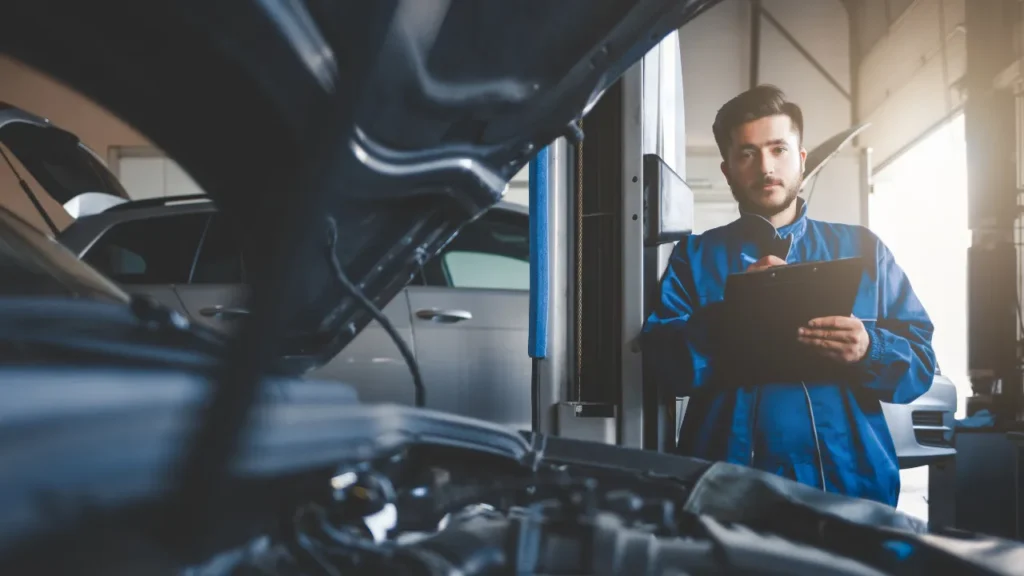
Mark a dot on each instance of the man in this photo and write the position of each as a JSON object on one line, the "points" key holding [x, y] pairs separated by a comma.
{"points": [[829, 432]]}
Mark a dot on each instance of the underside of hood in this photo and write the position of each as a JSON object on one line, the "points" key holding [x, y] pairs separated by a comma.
{"points": [[387, 125], [461, 96]]}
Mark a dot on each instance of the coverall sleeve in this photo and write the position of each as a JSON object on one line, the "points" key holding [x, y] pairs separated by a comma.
{"points": [[674, 336], [900, 362]]}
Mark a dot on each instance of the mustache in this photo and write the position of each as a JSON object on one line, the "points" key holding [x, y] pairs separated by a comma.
{"points": [[770, 182]]}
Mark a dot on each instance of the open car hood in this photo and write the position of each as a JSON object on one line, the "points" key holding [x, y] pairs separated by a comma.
{"points": [[383, 127], [459, 98]]}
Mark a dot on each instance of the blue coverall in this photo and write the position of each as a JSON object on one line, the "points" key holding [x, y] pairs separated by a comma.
{"points": [[769, 425]]}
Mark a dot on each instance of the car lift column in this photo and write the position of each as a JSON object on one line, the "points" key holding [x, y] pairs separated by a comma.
{"points": [[594, 264], [980, 490], [604, 400], [550, 298]]}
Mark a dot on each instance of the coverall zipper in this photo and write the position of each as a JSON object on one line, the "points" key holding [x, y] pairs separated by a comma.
{"points": [[810, 411], [757, 390], [753, 425], [814, 432]]}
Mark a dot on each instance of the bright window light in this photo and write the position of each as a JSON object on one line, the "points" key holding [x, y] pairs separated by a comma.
{"points": [[919, 209]]}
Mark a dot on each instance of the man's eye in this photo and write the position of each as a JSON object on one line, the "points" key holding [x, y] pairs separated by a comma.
{"points": [[781, 150]]}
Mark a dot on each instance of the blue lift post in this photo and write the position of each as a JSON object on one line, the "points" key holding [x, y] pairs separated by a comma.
{"points": [[539, 264], [539, 274], [549, 327]]}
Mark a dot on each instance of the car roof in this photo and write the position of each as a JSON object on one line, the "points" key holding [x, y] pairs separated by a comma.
{"points": [[150, 208], [83, 232]]}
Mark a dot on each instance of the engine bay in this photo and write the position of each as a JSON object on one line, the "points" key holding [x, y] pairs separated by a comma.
{"points": [[326, 485], [442, 511]]}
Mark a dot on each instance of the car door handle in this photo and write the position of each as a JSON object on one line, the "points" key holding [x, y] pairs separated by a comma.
{"points": [[444, 316], [227, 311]]}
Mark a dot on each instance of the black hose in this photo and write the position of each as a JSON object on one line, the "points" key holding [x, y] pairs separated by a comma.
{"points": [[355, 292], [814, 431]]}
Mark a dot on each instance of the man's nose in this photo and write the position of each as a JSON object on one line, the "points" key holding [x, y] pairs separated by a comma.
{"points": [[767, 164]]}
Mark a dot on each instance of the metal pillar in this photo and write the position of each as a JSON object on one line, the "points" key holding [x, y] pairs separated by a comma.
{"points": [[755, 42], [989, 121], [664, 136], [595, 394], [550, 303], [652, 125], [631, 414], [594, 263], [981, 489], [866, 184]]}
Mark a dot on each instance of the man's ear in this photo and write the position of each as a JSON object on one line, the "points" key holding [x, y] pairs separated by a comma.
{"points": [[725, 169], [803, 159]]}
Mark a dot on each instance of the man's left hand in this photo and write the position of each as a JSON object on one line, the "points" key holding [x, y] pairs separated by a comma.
{"points": [[837, 337]]}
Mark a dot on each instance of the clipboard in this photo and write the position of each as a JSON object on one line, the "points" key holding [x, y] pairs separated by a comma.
{"points": [[763, 311]]}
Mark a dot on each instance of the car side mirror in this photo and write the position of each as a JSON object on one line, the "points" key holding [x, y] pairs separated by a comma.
{"points": [[668, 203]]}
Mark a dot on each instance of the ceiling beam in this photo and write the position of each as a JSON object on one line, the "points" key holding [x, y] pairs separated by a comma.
{"points": [[805, 53]]}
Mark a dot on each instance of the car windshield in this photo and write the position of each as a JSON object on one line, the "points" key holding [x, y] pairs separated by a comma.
{"points": [[33, 264]]}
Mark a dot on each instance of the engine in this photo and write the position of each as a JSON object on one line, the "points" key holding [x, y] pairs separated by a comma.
{"points": [[390, 519]]}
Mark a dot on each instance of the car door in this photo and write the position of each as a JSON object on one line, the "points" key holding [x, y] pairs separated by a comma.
{"points": [[150, 255], [215, 293], [471, 321], [372, 363]]}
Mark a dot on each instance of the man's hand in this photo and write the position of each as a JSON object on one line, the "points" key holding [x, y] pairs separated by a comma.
{"points": [[765, 263], [837, 337]]}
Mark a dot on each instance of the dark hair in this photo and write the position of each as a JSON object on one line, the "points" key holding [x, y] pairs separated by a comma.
{"points": [[758, 102]]}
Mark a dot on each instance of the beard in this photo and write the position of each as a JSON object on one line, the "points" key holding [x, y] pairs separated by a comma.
{"points": [[743, 198]]}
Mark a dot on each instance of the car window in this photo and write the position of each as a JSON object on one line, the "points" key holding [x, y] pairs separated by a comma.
{"points": [[482, 270], [491, 253], [220, 259], [149, 251]]}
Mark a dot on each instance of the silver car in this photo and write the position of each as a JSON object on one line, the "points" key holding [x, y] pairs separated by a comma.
{"points": [[464, 315]]}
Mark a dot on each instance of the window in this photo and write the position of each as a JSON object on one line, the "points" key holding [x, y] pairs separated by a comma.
{"points": [[220, 259], [150, 251], [147, 173], [480, 270], [491, 253]]}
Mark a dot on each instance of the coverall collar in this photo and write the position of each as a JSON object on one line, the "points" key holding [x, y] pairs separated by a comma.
{"points": [[795, 229]]}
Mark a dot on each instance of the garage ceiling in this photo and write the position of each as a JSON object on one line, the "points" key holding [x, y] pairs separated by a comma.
{"points": [[911, 59]]}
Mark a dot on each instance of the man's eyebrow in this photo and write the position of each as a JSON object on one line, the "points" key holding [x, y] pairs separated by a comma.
{"points": [[776, 142]]}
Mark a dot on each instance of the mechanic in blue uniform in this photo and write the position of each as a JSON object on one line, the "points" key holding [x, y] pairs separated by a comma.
{"points": [[830, 433]]}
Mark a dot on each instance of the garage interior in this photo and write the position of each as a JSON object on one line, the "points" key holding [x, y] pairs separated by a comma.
{"points": [[937, 174]]}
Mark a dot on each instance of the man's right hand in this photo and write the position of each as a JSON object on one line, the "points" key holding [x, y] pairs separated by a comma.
{"points": [[765, 263]]}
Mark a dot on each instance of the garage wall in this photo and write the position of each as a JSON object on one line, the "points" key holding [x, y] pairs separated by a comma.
{"points": [[23, 87], [913, 61], [145, 172], [716, 54]]}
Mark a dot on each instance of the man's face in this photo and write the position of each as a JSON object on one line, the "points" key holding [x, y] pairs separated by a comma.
{"points": [[765, 165]]}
